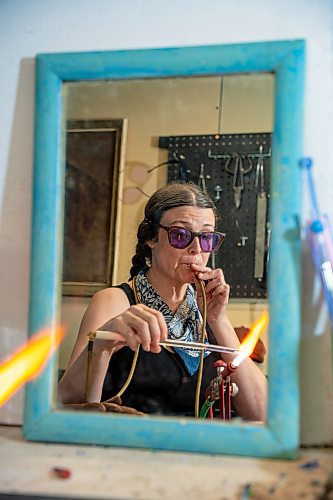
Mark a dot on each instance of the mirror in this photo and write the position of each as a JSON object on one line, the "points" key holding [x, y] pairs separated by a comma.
{"points": [[281, 62], [210, 115]]}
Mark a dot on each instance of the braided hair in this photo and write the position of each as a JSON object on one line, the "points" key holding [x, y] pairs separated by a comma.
{"points": [[172, 195]]}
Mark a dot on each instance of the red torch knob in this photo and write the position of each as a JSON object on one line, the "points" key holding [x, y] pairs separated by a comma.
{"points": [[220, 365]]}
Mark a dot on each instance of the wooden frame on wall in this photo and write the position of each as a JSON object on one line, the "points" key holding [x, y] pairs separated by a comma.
{"points": [[279, 436], [91, 204]]}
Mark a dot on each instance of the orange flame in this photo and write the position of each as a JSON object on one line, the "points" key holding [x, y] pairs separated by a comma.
{"points": [[249, 342], [28, 361]]}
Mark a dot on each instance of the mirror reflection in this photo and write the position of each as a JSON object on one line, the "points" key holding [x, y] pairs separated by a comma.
{"points": [[124, 141]]}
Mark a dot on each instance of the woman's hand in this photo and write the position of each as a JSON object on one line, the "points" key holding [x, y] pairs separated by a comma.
{"points": [[139, 324], [217, 292]]}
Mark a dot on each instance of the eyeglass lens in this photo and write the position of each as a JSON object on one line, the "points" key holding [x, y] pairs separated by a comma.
{"points": [[181, 238]]}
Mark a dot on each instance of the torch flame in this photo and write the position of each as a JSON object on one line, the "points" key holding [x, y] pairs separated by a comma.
{"points": [[248, 344], [28, 361]]}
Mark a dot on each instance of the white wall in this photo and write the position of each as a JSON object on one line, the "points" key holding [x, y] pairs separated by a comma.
{"points": [[34, 26]]}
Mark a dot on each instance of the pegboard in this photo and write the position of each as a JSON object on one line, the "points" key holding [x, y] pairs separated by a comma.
{"points": [[204, 160]]}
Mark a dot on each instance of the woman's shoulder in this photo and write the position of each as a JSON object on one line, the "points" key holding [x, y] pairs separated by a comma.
{"points": [[121, 294]]}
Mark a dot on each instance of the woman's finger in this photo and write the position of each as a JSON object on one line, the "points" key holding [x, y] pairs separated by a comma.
{"points": [[141, 324], [162, 327], [151, 327], [124, 326], [215, 284], [141, 327]]}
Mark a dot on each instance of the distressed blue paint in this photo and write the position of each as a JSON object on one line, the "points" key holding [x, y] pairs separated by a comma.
{"points": [[280, 437], [284, 286], [168, 62], [46, 256]]}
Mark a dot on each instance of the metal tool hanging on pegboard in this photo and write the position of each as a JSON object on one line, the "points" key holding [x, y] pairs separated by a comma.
{"points": [[234, 169]]}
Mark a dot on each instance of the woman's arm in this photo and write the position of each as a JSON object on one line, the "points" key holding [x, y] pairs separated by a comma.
{"points": [[251, 401], [105, 304], [132, 325]]}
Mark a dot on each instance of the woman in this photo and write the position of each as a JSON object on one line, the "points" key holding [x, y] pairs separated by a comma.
{"points": [[174, 243]]}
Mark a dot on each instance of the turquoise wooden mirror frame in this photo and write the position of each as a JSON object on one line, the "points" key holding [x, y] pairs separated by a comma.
{"points": [[43, 421]]}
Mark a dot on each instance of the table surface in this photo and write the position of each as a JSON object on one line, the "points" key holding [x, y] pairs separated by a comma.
{"points": [[121, 473]]}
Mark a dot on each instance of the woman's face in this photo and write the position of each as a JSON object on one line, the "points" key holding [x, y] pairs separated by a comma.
{"points": [[176, 263]]}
